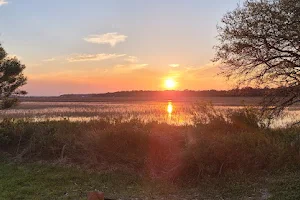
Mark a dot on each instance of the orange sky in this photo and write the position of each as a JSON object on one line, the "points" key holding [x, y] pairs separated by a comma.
{"points": [[126, 78], [114, 45]]}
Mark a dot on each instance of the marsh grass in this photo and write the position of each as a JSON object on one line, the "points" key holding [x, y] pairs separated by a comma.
{"points": [[182, 112], [218, 143]]}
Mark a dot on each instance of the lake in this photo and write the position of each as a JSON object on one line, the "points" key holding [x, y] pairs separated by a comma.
{"points": [[178, 113]]}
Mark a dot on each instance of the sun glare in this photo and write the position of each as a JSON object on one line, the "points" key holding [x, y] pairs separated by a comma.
{"points": [[170, 108], [170, 83]]}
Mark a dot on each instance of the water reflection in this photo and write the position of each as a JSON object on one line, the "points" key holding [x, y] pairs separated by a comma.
{"points": [[179, 113], [170, 109]]}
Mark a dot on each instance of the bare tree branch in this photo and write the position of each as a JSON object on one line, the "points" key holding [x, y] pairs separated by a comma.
{"points": [[259, 45]]}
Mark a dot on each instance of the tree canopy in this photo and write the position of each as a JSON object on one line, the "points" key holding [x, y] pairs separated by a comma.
{"points": [[11, 79], [259, 45]]}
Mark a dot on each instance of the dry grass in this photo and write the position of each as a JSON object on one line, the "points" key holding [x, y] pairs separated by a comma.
{"points": [[182, 114], [218, 143]]}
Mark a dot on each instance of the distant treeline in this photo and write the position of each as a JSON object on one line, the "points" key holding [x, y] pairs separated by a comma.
{"points": [[243, 92]]}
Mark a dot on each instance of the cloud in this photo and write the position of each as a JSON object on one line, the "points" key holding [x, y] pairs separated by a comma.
{"points": [[93, 57], [209, 70], [49, 60], [139, 66], [132, 64], [3, 2], [127, 68], [107, 38], [132, 59], [174, 65]]}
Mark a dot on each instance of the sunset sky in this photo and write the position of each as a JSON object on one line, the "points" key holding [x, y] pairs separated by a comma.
{"points": [[94, 46]]}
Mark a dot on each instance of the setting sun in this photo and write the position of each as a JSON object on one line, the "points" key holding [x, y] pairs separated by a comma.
{"points": [[170, 83], [150, 94]]}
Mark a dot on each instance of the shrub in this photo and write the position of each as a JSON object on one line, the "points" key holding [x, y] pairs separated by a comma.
{"points": [[218, 143], [235, 141]]}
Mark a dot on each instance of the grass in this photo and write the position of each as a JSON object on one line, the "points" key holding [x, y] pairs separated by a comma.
{"points": [[217, 144], [146, 111], [44, 181], [222, 155], [36, 181]]}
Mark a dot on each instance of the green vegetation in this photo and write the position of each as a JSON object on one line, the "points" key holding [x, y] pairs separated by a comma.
{"points": [[218, 143], [217, 153], [37, 181], [11, 79], [41, 181]]}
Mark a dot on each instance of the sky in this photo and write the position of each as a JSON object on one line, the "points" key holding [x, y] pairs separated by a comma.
{"points": [[95, 46]]}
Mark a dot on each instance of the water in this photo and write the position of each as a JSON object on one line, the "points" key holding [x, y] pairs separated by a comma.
{"points": [[178, 113]]}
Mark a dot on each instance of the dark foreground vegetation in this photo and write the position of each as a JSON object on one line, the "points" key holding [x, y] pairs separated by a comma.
{"points": [[218, 144], [220, 156], [228, 155]]}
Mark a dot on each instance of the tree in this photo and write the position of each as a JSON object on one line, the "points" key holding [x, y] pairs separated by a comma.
{"points": [[259, 45], [11, 79]]}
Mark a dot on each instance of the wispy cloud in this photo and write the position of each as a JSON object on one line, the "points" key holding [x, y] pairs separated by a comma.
{"points": [[208, 70], [132, 59], [128, 68], [93, 57], [139, 66], [3, 2], [174, 65], [132, 64], [49, 60], [108, 38]]}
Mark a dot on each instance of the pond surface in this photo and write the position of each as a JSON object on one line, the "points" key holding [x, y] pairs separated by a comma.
{"points": [[169, 112]]}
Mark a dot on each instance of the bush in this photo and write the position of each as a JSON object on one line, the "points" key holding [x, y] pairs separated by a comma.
{"points": [[217, 144], [235, 141]]}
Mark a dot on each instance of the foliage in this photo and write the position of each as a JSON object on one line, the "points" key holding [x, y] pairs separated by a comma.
{"points": [[11, 79], [218, 144], [259, 45], [236, 141]]}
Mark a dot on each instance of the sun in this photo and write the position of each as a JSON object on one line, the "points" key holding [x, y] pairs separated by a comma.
{"points": [[170, 83]]}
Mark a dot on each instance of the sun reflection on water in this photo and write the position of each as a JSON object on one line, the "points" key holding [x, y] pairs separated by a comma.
{"points": [[170, 109], [178, 113]]}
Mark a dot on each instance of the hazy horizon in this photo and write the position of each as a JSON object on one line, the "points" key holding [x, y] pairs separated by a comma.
{"points": [[99, 46]]}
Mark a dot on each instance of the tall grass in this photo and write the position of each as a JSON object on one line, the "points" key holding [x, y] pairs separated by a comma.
{"points": [[218, 143]]}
